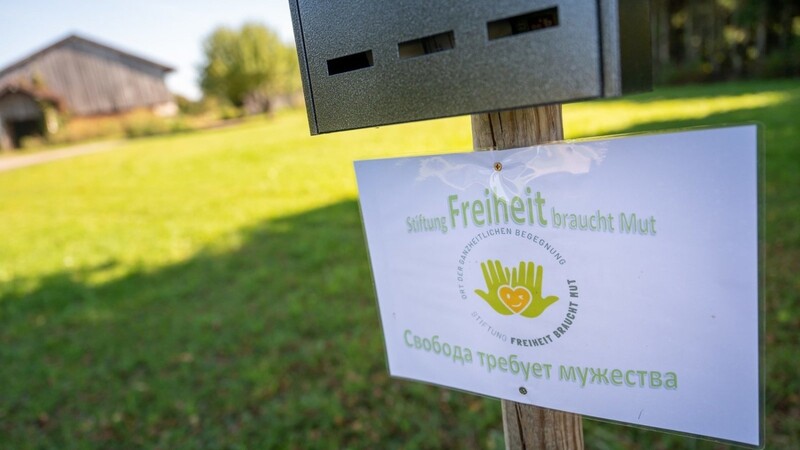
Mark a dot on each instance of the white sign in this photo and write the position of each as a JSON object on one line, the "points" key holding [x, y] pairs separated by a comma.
{"points": [[616, 279]]}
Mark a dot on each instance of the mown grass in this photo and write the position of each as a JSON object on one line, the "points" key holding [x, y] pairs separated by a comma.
{"points": [[211, 290]]}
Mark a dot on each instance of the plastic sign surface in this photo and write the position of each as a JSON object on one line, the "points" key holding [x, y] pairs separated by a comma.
{"points": [[617, 279]]}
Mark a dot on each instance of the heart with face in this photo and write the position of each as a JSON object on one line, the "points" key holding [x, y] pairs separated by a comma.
{"points": [[515, 298]]}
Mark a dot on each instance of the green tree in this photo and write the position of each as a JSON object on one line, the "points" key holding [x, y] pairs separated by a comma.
{"points": [[699, 40], [249, 63]]}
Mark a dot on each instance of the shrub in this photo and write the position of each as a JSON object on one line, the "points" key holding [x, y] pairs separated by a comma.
{"points": [[144, 123], [28, 142]]}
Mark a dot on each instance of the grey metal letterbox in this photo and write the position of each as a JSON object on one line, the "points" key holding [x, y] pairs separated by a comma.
{"points": [[375, 62]]}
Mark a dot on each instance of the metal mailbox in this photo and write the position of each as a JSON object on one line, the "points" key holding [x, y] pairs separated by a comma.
{"points": [[375, 62]]}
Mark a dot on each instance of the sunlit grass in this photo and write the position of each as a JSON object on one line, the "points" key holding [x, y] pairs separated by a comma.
{"points": [[157, 201], [211, 289], [582, 119]]}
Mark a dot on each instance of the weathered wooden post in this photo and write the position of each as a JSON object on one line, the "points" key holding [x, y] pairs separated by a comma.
{"points": [[526, 426]]}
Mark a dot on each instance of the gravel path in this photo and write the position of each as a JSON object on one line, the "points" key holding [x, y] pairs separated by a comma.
{"points": [[12, 162]]}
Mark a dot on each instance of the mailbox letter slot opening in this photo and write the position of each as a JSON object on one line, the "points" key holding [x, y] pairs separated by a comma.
{"points": [[427, 45], [523, 23], [349, 63]]}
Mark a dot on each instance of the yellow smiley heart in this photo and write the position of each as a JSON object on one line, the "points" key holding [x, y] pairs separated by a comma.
{"points": [[516, 299]]}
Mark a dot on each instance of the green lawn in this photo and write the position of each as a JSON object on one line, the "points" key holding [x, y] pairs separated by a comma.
{"points": [[212, 290]]}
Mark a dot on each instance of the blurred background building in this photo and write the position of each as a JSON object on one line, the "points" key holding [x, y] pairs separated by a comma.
{"points": [[78, 77]]}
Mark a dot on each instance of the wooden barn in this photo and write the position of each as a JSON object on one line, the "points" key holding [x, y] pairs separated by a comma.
{"points": [[80, 77]]}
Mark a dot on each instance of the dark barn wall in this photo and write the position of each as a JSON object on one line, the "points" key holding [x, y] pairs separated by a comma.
{"points": [[19, 106], [93, 79], [20, 114]]}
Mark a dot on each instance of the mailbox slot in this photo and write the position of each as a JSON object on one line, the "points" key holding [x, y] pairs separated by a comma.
{"points": [[349, 63], [523, 23], [426, 45]]}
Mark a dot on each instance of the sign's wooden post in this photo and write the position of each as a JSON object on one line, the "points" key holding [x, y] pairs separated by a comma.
{"points": [[525, 426]]}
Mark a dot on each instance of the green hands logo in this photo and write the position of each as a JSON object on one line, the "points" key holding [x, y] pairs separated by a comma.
{"points": [[515, 291]]}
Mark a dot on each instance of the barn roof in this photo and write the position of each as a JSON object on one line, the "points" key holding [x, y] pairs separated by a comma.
{"points": [[76, 38]]}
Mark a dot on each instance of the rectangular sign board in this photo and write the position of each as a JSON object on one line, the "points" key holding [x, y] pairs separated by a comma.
{"points": [[617, 279]]}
